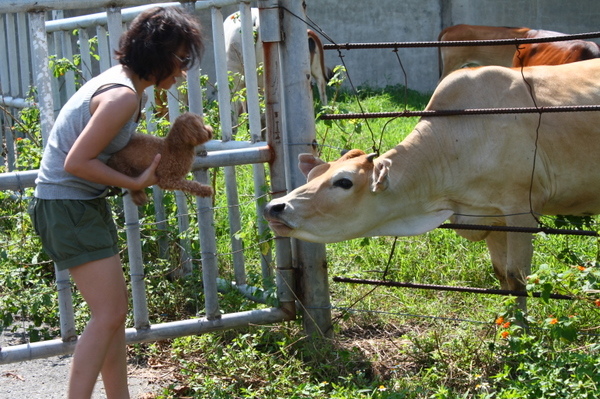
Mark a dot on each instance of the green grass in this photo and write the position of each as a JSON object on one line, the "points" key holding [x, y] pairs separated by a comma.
{"points": [[388, 342]]}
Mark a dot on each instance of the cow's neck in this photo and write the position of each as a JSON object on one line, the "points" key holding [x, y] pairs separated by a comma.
{"points": [[417, 181], [421, 165]]}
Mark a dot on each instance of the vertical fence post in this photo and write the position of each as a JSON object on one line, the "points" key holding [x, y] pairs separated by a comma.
{"points": [[300, 134], [24, 55], [132, 220], [68, 332], [37, 23], [249, 52], [229, 172], [114, 22], [183, 218], [270, 34]]}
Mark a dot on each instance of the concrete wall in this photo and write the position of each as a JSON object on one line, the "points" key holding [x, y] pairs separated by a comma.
{"points": [[350, 21], [422, 20]]}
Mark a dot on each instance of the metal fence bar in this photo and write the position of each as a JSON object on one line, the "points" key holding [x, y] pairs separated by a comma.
{"points": [[43, 76], [67, 52], [7, 6], [183, 218], [489, 291], [53, 49], [157, 193], [4, 69], [84, 52], [467, 111], [157, 332], [136, 264], [460, 43], [103, 48], [249, 54], [13, 60], [115, 29], [9, 80], [18, 180], [216, 153], [270, 32], [24, 59], [250, 72], [229, 172], [68, 332], [300, 127]]}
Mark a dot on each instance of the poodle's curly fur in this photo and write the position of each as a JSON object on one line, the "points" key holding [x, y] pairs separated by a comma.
{"points": [[177, 155]]}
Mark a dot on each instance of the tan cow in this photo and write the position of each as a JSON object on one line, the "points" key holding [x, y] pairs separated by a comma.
{"points": [[477, 169], [550, 53]]}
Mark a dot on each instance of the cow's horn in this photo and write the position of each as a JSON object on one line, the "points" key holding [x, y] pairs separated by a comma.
{"points": [[371, 156]]}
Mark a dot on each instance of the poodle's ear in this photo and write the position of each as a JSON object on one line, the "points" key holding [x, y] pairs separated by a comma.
{"points": [[190, 129]]}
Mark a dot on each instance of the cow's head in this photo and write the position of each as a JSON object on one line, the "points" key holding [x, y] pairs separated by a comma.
{"points": [[334, 204]]}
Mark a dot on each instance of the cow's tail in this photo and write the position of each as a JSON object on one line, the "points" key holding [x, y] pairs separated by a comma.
{"points": [[318, 70], [439, 51]]}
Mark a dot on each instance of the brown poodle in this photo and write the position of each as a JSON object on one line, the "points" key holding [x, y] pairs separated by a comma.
{"points": [[177, 155]]}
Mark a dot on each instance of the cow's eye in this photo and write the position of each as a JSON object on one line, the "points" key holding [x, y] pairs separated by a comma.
{"points": [[343, 183]]}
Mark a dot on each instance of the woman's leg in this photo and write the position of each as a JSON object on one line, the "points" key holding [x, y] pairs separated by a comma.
{"points": [[101, 347]]}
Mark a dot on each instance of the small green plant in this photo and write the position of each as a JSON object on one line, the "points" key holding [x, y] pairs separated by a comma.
{"points": [[60, 66]]}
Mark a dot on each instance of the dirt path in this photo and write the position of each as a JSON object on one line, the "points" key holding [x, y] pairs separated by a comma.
{"points": [[48, 378]]}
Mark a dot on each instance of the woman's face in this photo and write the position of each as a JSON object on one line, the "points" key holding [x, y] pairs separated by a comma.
{"points": [[182, 62]]}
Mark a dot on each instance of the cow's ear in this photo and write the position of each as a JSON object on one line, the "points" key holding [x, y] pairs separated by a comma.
{"points": [[307, 162], [381, 171]]}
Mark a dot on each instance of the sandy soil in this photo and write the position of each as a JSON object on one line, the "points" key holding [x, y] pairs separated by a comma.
{"points": [[48, 378]]}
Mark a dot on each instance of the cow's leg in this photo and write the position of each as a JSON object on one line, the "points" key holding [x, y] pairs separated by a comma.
{"points": [[511, 255], [496, 243], [518, 263]]}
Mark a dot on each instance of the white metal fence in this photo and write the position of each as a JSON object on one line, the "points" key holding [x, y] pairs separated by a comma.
{"points": [[29, 38]]}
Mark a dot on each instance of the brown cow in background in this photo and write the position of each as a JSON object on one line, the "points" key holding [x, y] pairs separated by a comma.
{"points": [[550, 53]]}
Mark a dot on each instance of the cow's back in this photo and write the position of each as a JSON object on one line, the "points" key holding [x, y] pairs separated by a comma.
{"points": [[453, 58], [555, 53], [502, 147]]}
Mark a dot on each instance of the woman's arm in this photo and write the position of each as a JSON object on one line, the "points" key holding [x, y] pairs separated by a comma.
{"points": [[110, 110]]}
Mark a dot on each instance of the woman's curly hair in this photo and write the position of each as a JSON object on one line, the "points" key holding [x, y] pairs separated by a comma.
{"points": [[150, 44]]}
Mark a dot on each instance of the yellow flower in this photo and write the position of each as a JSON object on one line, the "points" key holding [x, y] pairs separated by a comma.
{"points": [[382, 388]]}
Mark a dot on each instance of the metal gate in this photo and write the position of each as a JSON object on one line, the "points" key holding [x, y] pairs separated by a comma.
{"points": [[29, 38]]}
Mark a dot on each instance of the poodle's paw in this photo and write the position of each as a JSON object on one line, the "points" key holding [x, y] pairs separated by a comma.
{"points": [[207, 133], [201, 190], [138, 197]]}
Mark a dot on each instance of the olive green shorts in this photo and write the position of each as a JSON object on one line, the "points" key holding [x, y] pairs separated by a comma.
{"points": [[74, 232]]}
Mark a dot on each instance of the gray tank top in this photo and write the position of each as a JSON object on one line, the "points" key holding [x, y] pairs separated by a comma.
{"points": [[53, 182]]}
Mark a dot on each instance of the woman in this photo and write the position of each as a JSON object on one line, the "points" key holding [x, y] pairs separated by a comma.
{"points": [[70, 212]]}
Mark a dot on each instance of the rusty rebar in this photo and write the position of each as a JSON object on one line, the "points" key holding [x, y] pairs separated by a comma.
{"points": [[517, 229], [460, 43], [467, 111], [490, 291]]}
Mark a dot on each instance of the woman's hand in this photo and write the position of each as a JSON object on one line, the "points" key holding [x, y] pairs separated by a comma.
{"points": [[148, 177]]}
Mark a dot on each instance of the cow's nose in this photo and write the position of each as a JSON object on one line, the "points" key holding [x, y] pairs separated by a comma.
{"points": [[274, 209]]}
